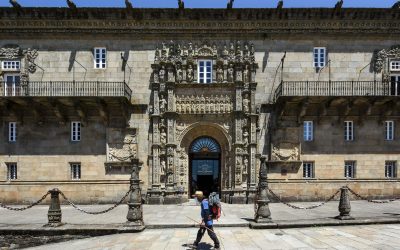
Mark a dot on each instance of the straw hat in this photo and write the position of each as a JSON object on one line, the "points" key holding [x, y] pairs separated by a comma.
{"points": [[198, 194]]}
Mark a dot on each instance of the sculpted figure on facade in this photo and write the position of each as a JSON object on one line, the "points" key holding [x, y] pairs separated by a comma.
{"points": [[163, 167], [246, 137], [163, 136], [220, 74], [189, 73], [230, 73], [246, 73], [161, 74], [245, 165], [164, 52], [163, 104], [225, 52], [246, 103], [179, 73]]}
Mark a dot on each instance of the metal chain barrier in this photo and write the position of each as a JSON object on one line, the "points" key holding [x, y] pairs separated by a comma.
{"points": [[306, 208], [370, 200], [99, 212], [27, 207]]}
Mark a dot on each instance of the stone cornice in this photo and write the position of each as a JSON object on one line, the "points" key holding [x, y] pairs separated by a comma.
{"points": [[198, 21]]}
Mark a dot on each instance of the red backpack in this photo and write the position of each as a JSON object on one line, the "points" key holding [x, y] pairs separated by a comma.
{"points": [[215, 205]]}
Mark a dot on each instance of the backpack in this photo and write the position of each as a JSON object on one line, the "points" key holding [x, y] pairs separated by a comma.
{"points": [[215, 205]]}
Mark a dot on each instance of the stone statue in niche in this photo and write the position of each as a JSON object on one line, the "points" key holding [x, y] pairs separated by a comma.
{"points": [[161, 74], [171, 76], [230, 73], [163, 135], [179, 73], [220, 74], [246, 103], [185, 51], [163, 104], [231, 51], [190, 50], [163, 52], [239, 76], [157, 55], [246, 137], [246, 73], [225, 52], [245, 165], [190, 73], [155, 76], [163, 167]]}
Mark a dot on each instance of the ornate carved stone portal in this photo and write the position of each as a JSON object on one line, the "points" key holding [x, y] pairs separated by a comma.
{"points": [[183, 110]]}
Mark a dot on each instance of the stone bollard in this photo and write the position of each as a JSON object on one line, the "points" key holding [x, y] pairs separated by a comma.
{"points": [[135, 211], [54, 214], [344, 205], [263, 214]]}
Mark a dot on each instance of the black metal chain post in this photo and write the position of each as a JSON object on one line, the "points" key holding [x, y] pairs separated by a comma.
{"points": [[135, 212], [54, 214], [263, 214], [344, 205]]}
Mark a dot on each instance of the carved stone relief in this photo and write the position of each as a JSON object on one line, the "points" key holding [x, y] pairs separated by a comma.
{"points": [[285, 152], [121, 144], [211, 104]]}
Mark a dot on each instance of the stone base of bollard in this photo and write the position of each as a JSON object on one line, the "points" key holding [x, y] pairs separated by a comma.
{"points": [[344, 217]]}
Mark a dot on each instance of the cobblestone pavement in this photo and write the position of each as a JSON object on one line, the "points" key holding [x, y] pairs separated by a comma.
{"points": [[350, 237], [178, 214]]}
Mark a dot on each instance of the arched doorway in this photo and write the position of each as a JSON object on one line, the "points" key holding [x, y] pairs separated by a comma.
{"points": [[205, 165]]}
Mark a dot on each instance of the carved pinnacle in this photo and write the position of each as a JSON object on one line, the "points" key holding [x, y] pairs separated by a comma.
{"points": [[15, 4]]}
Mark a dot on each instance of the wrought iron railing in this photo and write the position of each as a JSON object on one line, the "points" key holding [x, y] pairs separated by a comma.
{"points": [[333, 88], [66, 88]]}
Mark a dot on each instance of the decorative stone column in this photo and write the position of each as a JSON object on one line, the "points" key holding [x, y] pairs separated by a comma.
{"points": [[344, 205], [54, 214], [263, 214], [135, 211]]}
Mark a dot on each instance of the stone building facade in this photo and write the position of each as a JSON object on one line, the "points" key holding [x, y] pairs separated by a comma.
{"points": [[196, 97]]}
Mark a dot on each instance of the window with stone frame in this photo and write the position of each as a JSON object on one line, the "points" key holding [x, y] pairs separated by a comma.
{"points": [[308, 131], [75, 171], [11, 65], [348, 131], [350, 169], [12, 84], [100, 58], [308, 170], [319, 57], [75, 131], [204, 71], [12, 171], [390, 169], [12, 131], [389, 130], [395, 65]]}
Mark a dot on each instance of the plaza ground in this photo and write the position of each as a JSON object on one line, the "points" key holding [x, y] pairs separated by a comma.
{"points": [[343, 237]]}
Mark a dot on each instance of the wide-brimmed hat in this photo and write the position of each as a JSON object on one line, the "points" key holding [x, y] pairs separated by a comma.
{"points": [[198, 194]]}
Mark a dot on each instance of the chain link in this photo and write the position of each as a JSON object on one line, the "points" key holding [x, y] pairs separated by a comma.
{"points": [[99, 212], [306, 208], [369, 200], [27, 207]]}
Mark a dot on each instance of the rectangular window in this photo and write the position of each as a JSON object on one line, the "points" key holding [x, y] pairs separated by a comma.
{"points": [[12, 85], [395, 85], [75, 131], [205, 71], [75, 171], [350, 169], [395, 65], [11, 65], [12, 131], [308, 170], [100, 56], [390, 169], [348, 131], [308, 131], [319, 57], [11, 171], [389, 130]]}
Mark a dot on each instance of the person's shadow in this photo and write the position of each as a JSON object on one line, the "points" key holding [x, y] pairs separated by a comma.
{"points": [[201, 246]]}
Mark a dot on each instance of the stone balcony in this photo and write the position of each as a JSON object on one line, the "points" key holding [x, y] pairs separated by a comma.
{"points": [[66, 89], [333, 89]]}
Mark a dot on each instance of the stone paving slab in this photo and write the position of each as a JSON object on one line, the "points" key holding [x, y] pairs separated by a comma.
{"points": [[353, 237], [175, 216]]}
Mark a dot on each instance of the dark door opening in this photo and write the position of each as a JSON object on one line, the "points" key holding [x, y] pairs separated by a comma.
{"points": [[205, 166], [205, 173]]}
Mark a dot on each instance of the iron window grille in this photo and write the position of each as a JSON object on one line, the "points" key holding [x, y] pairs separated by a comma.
{"points": [[75, 171], [12, 171]]}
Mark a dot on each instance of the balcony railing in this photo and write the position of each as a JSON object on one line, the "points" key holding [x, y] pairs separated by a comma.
{"points": [[66, 89], [334, 88]]}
